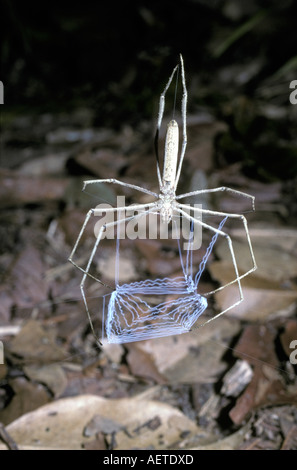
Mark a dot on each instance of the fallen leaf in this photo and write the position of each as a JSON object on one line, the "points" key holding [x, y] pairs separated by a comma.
{"points": [[258, 304], [3, 368], [275, 259], [18, 189], [34, 343], [70, 135], [25, 279], [114, 352], [51, 375], [70, 224], [102, 162], [232, 442], [61, 424], [290, 442], [101, 424], [289, 335], [99, 443], [159, 262], [127, 271], [257, 346], [262, 297], [142, 364], [196, 356], [27, 396], [51, 164], [202, 130]]}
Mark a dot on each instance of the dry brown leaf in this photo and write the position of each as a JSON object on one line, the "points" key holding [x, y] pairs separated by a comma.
{"points": [[61, 424], [114, 352], [158, 261], [142, 364], [231, 442], [290, 441], [34, 343], [263, 297], [127, 271], [289, 335], [3, 368], [202, 130], [27, 397], [275, 257], [50, 164], [101, 424], [25, 280], [70, 224], [18, 189], [194, 357], [99, 443], [284, 239], [257, 346], [258, 304], [102, 162], [51, 375]]}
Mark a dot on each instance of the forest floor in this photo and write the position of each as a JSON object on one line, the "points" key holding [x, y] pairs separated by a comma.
{"points": [[229, 385]]}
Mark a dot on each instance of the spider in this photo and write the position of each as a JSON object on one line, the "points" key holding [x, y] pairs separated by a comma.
{"points": [[166, 202]]}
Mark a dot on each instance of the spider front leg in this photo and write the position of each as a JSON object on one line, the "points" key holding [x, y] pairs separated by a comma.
{"points": [[150, 206], [97, 212], [121, 183], [234, 216], [230, 245], [113, 209], [184, 123], [160, 118]]}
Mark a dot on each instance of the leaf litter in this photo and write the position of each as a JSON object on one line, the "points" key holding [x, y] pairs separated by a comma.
{"points": [[229, 385]]}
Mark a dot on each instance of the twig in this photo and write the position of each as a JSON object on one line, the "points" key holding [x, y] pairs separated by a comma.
{"points": [[288, 441], [7, 439]]}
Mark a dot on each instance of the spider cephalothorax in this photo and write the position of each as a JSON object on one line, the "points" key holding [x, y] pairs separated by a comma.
{"points": [[166, 205]]}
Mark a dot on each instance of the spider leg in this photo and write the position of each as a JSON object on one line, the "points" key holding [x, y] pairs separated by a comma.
{"points": [[227, 237], [98, 239], [184, 123], [160, 118], [115, 181], [245, 225], [96, 212], [215, 190]]}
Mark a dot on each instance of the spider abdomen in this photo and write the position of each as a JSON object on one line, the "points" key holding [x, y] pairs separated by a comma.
{"points": [[170, 154]]}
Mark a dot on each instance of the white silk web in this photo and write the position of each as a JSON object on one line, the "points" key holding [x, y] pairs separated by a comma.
{"points": [[134, 315]]}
